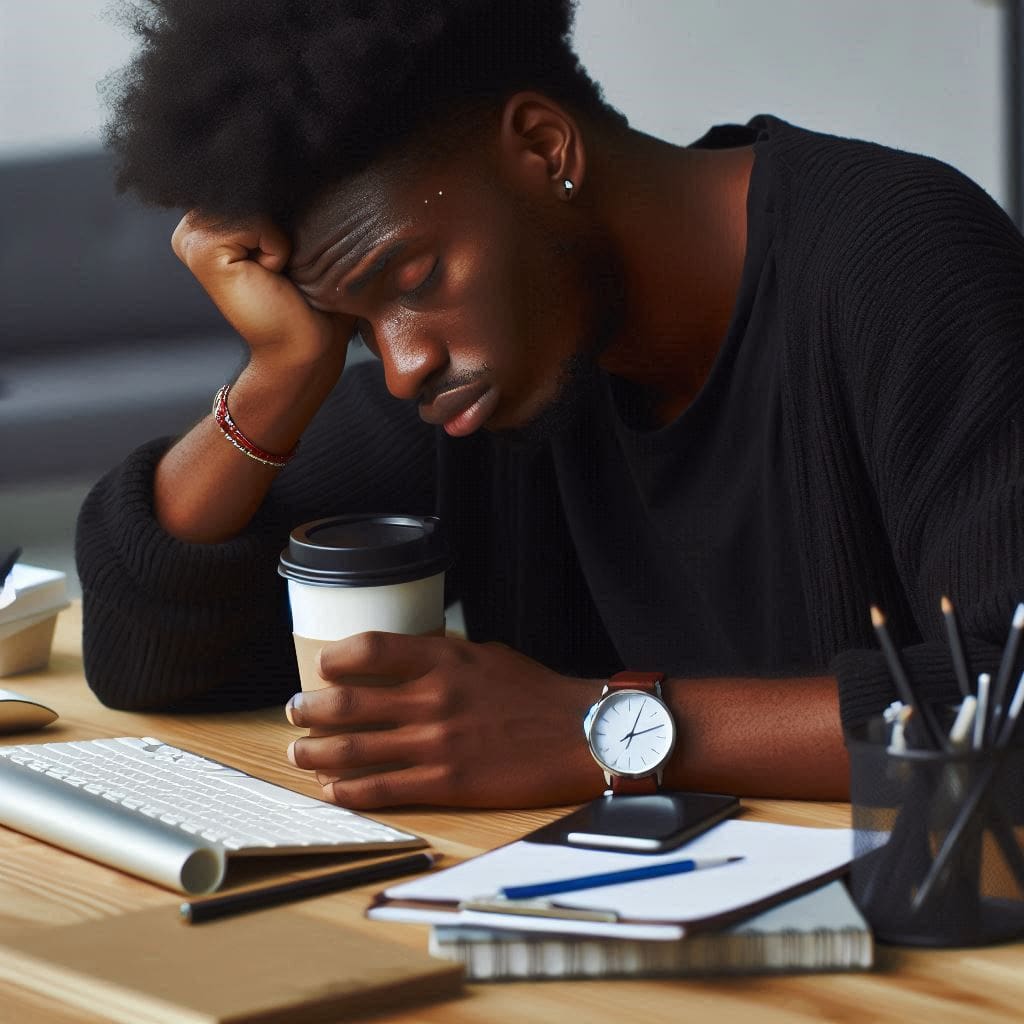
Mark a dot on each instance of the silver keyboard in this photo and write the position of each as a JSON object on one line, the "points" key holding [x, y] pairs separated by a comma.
{"points": [[174, 792]]}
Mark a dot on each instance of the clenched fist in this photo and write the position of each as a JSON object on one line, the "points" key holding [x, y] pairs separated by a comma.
{"points": [[242, 270]]}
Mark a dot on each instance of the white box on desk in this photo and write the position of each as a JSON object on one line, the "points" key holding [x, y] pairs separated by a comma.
{"points": [[29, 604]]}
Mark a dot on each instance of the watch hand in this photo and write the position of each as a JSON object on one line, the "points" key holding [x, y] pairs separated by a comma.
{"points": [[642, 731], [628, 738]]}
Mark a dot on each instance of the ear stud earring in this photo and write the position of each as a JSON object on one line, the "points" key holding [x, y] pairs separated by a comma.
{"points": [[568, 186]]}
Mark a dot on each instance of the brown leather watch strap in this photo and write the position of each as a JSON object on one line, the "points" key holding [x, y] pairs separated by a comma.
{"points": [[644, 786], [635, 681]]}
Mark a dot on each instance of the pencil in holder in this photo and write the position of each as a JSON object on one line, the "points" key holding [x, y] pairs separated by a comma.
{"points": [[938, 836]]}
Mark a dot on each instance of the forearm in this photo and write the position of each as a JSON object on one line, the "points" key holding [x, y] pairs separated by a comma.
{"points": [[753, 737], [166, 622], [205, 490], [758, 737]]}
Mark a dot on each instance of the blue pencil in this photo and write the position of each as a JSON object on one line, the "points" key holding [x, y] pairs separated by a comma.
{"points": [[674, 867]]}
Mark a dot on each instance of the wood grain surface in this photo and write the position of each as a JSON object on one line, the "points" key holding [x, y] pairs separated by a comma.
{"points": [[41, 886]]}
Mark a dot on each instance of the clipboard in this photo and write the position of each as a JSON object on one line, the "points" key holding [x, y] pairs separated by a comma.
{"points": [[781, 861]]}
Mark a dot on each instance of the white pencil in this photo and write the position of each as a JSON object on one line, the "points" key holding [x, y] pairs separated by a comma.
{"points": [[963, 728], [981, 714]]}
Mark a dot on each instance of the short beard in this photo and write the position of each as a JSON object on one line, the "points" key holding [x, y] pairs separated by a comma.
{"points": [[579, 375], [559, 416]]}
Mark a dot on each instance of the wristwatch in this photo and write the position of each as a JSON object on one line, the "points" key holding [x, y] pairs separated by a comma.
{"points": [[631, 732]]}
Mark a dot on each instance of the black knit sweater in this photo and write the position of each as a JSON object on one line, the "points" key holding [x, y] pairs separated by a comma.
{"points": [[866, 415]]}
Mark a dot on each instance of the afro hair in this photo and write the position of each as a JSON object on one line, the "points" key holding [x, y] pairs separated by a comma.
{"points": [[239, 108]]}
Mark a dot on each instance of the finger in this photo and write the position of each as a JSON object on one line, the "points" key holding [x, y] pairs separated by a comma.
{"points": [[273, 247], [382, 654], [343, 705], [198, 240], [341, 752], [423, 784]]}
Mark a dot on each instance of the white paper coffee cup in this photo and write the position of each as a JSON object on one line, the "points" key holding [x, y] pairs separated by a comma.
{"points": [[354, 573]]}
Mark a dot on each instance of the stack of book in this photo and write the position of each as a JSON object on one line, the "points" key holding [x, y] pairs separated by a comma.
{"points": [[781, 908], [820, 931], [30, 598]]}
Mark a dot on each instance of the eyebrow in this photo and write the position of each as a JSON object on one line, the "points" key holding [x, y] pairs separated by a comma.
{"points": [[379, 265]]}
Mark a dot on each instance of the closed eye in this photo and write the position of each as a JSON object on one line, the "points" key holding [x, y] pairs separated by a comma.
{"points": [[417, 277]]}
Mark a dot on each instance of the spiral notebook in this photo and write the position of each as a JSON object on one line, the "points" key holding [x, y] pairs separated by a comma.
{"points": [[819, 931]]}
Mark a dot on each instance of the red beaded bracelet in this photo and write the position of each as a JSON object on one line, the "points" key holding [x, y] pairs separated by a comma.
{"points": [[230, 430]]}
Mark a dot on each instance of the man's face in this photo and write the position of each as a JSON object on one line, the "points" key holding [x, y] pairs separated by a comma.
{"points": [[484, 306]]}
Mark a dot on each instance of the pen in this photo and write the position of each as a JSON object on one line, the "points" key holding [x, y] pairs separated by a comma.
{"points": [[198, 911], [536, 908], [674, 867]]}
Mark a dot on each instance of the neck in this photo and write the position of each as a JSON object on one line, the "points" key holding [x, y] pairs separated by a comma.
{"points": [[677, 220]]}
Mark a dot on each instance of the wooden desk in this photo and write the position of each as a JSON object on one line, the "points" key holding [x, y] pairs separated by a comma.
{"points": [[43, 885]]}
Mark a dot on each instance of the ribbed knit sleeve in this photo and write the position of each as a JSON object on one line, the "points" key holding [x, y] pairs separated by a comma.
{"points": [[926, 289], [180, 626]]}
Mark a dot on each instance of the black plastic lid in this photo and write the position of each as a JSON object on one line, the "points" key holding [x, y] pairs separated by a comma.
{"points": [[362, 550]]}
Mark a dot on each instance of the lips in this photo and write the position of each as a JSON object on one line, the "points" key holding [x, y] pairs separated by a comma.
{"points": [[462, 410]]}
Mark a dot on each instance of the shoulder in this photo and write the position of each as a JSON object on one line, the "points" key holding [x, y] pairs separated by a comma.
{"points": [[899, 254], [870, 201], [818, 162], [898, 274]]}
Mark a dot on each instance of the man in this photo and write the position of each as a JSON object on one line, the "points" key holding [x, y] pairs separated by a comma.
{"points": [[702, 405]]}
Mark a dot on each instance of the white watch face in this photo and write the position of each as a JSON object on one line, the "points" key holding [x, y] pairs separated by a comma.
{"points": [[632, 733]]}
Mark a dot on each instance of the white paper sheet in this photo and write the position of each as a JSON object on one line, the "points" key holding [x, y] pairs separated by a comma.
{"points": [[778, 858]]}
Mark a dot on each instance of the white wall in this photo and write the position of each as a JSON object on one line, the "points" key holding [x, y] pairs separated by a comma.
{"points": [[52, 55], [920, 74], [923, 75]]}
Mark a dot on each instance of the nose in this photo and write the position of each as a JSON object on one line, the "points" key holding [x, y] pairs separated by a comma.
{"points": [[411, 356]]}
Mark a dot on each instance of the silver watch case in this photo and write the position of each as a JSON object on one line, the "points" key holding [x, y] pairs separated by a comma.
{"points": [[588, 724]]}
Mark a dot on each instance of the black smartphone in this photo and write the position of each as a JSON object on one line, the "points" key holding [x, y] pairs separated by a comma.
{"points": [[638, 824]]}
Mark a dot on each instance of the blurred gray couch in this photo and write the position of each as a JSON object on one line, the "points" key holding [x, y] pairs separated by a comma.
{"points": [[106, 340]]}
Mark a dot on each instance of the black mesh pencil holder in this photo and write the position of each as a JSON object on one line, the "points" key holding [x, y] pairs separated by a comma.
{"points": [[938, 839]]}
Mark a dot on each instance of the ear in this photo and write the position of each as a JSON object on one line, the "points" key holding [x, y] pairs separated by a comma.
{"points": [[541, 146]]}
